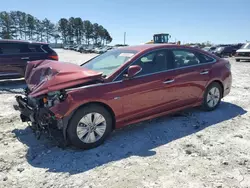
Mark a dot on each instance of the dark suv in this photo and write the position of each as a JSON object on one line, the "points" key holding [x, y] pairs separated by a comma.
{"points": [[223, 51], [14, 55]]}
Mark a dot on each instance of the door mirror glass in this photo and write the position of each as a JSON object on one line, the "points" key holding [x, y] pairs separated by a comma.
{"points": [[133, 70]]}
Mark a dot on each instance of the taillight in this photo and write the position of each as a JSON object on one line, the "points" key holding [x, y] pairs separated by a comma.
{"points": [[54, 57]]}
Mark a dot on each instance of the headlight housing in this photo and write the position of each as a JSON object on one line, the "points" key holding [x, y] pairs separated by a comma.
{"points": [[54, 98]]}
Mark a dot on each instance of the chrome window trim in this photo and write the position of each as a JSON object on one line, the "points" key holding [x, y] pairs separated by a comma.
{"points": [[214, 60]]}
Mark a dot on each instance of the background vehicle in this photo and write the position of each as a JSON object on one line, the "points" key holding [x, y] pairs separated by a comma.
{"points": [[209, 49], [81, 48], [122, 87], [65, 47], [103, 49], [75, 47], [89, 49], [160, 38], [68, 47], [243, 53], [15, 54], [225, 51], [97, 49], [237, 46], [195, 46]]}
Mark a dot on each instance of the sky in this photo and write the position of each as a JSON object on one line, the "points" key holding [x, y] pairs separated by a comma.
{"points": [[217, 21]]}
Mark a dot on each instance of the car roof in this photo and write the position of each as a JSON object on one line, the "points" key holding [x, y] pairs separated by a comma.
{"points": [[20, 41], [144, 47]]}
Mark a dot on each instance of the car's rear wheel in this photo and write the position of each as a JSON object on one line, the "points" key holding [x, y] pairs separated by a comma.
{"points": [[237, 60], [212, 97], [89, 127]]}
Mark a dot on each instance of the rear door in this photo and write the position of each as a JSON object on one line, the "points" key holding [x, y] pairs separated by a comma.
{"points": [[192, 73], [12, 62]]}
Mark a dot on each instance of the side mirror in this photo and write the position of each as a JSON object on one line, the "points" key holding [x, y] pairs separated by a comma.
{"points": [[133, 70]]}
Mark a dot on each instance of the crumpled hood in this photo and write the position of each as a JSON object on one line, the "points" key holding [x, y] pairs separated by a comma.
{"points": [[44, 76]]}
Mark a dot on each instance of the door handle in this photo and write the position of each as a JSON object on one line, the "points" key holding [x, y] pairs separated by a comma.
{"points": [[204, 72], [25, 58], [168, 81]]}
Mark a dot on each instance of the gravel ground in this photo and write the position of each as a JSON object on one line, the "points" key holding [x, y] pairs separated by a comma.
{"points": [[193, 149]]}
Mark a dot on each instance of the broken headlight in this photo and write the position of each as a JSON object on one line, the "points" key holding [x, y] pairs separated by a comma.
{"points": [[54, 98]]}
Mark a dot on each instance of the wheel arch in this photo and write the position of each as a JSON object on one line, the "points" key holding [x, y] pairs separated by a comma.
{"points": [[221, 85], [107, 107]]}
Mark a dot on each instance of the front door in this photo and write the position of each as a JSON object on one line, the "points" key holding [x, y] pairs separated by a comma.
{"points": [[147, 93]]}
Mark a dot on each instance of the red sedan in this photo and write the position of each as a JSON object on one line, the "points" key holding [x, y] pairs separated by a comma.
{"points": [[120, 87]]}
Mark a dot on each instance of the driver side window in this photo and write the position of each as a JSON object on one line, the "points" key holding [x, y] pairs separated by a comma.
{"points": [[152, 62]]}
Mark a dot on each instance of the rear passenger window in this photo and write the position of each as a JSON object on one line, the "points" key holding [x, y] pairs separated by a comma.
{"points": [[185, 58], [9, 48], [17, 48]]}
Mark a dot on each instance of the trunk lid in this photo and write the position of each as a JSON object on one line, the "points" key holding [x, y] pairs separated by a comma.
{"points": [[44, 76]]}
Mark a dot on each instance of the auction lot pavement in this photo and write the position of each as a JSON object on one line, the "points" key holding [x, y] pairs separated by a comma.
{"points": [[192, 150]]}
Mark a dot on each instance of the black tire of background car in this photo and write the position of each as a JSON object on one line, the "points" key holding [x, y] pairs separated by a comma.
{"points": [[72, 127], [237, 60], [205, 105]]}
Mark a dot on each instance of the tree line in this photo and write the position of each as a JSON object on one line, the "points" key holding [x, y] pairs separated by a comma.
{"points": [[22, 26]]}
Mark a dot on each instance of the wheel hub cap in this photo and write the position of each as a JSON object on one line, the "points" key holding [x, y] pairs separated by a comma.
{"points": [[91, 127], [213, 97]]}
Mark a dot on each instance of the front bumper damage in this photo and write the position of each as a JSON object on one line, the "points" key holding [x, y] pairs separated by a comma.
{"points": [[42, 120]]}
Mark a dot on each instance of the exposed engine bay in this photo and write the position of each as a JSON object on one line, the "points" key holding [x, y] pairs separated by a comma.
{"points": [[36, 111]]}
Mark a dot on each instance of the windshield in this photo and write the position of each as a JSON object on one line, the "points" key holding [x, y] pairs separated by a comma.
{"points": [[110, 61], [246, 46]]}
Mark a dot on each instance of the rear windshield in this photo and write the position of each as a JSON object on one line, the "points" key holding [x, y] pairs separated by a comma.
{"points": [[48, 49]]}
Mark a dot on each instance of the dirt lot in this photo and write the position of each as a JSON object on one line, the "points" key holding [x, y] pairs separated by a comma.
{"points": [[198, 149]]}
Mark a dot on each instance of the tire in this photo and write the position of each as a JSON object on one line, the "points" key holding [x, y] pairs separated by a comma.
{"points": [[237, 60], [214, 102], [87, 140]]}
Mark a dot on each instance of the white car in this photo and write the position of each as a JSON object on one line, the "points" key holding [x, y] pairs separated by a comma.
{"points": [[243, 53]]}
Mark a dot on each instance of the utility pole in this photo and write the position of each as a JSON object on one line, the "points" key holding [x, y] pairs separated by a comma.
{"points": [[124, 38]]}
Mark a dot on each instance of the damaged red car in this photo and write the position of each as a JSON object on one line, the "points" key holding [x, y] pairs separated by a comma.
{"points": [[120, 87]]}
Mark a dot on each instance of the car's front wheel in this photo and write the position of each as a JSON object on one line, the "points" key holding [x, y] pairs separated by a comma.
{"points": [[237, 60], [89, 127], [212, 97]]}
